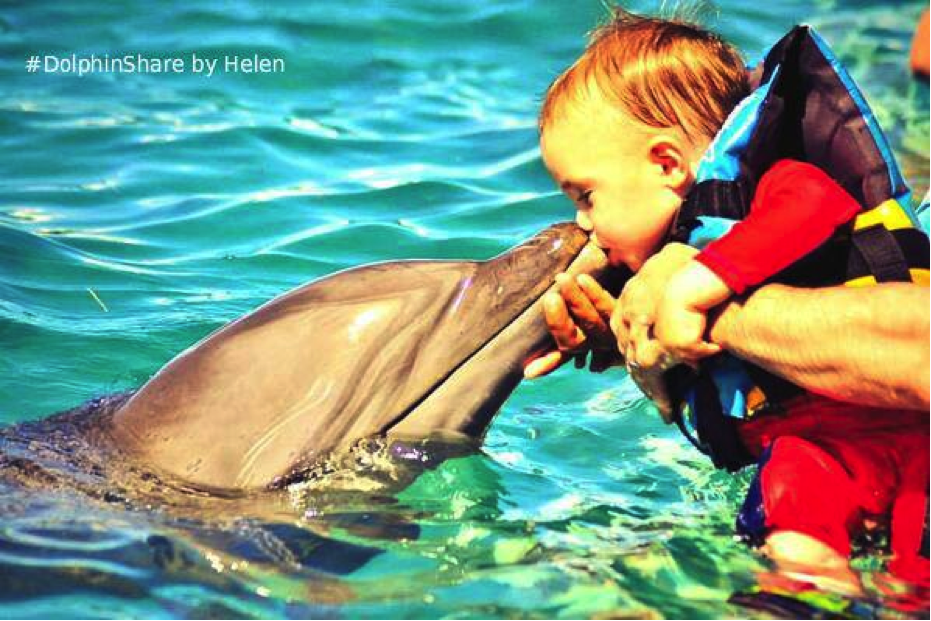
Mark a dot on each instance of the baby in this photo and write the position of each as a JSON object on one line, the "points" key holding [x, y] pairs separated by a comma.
{"points": [[622, 132]]}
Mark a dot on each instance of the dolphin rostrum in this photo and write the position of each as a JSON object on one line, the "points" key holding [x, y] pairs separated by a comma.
{"points": [[400, 349]]}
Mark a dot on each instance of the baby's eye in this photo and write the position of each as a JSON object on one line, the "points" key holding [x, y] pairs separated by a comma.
{"points": [[585, 198]]}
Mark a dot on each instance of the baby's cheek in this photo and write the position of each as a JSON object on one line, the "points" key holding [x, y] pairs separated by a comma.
{"points": [[620, 249]]}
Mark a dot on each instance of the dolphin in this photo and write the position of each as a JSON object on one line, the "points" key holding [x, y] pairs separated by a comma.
{"points": [[404, 349]]}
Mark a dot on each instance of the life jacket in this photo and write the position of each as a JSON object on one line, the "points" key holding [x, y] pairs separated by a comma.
{"points": [[806, 108]]}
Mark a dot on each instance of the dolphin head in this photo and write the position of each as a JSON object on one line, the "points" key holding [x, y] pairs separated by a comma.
{"points": [[404, 349]]}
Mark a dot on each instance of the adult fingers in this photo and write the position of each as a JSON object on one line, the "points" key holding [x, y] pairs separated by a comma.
{"points": [[545, 364], [582, 310], [639, 338], [696, 352], [568, 336], [603, 301], [638, 303], [646, 363], [620, 329]]}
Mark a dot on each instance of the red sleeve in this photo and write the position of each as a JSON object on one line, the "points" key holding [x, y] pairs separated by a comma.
{"points": [[796, 208]]}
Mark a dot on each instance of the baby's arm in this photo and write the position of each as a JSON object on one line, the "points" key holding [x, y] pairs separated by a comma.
{"points": [[796, 208], [696, 287]]}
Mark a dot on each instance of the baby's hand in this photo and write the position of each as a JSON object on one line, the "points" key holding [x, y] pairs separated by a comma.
{"points": [[681, 330], [681, 318]]}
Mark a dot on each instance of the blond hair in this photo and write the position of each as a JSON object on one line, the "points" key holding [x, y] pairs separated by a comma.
{"points": [[661, 72]]}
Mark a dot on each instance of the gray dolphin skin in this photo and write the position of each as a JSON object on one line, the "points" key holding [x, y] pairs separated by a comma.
{"points": [[400, 349]]}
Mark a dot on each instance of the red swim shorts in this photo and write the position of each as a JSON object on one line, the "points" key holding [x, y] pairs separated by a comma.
{"points": [[826, 468]]}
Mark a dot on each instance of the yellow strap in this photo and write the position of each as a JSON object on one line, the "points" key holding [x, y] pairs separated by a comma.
{"points": [[919, 276], [888, 213]]}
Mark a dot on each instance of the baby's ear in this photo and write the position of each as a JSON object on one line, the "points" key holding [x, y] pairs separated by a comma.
{"points": [[667, 155]]}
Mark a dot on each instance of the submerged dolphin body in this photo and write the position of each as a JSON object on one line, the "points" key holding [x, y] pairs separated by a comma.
{"points": [[401, 349]]}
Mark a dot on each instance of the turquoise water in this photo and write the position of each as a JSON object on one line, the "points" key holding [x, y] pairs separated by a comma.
{"points": [[140, 212]]}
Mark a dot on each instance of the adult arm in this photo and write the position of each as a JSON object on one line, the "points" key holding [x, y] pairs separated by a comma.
{"points": [[864, 345]]}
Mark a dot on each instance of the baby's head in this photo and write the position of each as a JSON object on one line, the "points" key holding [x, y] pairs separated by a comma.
{"points": [[623, 129]]}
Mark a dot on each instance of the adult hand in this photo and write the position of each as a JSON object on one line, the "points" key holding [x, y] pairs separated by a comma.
{"points": [[578, 314], [633, 319]]}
